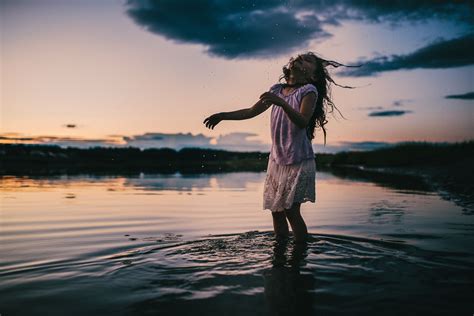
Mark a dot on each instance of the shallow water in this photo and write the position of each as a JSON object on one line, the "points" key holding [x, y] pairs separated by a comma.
{"points": [[201, 244]]}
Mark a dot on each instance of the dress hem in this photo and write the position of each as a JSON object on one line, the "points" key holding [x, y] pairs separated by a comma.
{"points": [[301, 202]]}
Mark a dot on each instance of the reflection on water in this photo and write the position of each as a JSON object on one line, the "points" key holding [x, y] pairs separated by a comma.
{"points": [[384, 211], [287, 290], [201, 244]]}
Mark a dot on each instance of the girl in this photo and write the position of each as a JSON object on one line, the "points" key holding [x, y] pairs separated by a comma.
{"points": [[299, 106]]}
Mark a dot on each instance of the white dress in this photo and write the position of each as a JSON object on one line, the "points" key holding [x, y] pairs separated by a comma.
{"points": [[289, 184]]}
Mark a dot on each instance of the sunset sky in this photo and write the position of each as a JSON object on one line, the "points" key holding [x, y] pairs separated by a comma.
{"points": [[147, 73]]}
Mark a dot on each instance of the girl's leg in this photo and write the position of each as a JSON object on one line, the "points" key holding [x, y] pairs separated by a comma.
{"points": [[280, 225], [297, 222]]}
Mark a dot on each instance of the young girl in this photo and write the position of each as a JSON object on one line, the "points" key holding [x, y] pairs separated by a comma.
{"points": [[299, 106]]}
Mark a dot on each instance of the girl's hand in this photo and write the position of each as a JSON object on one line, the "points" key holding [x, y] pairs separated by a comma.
{"points": [[271, 98], [213, 120]]}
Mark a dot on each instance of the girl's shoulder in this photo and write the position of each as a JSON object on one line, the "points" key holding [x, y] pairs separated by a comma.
{"points": [[276, 88], [302, 91], [307, 88]]}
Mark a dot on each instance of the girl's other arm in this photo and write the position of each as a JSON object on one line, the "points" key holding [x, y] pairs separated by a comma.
{"points": [[300, 119], [242, 114]]}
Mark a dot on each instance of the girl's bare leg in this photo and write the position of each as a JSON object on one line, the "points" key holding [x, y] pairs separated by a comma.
{"points": [[280, 225], [297, 222]]}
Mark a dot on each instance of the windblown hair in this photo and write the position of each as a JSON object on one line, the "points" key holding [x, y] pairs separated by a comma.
{"points": [[322, 81]]}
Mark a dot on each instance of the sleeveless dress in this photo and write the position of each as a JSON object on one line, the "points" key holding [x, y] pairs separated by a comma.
{"points": [[291, 169]]}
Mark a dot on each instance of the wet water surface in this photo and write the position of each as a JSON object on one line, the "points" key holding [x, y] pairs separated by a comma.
{"points": [[201, 244]]}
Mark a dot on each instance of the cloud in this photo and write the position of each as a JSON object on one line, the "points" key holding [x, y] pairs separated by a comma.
{"points": [[455, 52], [371, 108], [464, 96], [63, 141], [175, 141], [388, 113], [232, 141], [401, 102], [364, 145], [241, 142], [227, 29], [70, 125], [396, 103], [351, 146], [253, 29], [238, 141]]}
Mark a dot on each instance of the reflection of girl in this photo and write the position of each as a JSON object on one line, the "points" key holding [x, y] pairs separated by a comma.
{"points": [[286, 290], [299, 106]]}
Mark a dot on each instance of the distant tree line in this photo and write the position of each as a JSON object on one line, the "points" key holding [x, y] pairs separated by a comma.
{"points": [[24, 159], [409, 154], [17, 158]]}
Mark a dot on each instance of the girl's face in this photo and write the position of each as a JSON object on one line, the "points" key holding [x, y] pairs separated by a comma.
{"points": [[302, 69]]}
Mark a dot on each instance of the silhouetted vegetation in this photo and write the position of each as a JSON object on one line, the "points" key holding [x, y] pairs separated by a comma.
{"points": [[25, 159], [20, 158], [408, 155]]}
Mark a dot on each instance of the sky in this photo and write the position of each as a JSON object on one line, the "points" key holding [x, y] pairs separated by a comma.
{"points": [[147, 73]]}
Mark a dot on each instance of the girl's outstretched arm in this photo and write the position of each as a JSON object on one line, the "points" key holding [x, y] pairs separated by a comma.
{"points": [[242, 114]]}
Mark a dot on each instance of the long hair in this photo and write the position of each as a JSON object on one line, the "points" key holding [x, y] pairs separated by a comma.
{"points": [[322, 81]]}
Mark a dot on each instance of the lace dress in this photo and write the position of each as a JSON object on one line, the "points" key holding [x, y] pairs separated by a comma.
{"points": [[288, 184]]}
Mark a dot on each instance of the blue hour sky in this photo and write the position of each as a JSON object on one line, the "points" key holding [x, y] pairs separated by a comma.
{"points": [[146, 73]]}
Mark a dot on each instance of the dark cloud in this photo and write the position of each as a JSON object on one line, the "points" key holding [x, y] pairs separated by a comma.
{"points": [[388, 113], [465, 96], [441, 54], [244, 29], [70, 125], [227, 29]]}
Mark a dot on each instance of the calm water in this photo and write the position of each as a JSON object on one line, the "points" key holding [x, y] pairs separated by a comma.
{"points": [[202, 245]]}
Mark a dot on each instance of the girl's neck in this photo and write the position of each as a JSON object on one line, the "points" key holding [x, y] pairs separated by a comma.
{"points": [[293, 85]]}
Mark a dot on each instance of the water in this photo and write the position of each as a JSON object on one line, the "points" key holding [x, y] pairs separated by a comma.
{"points": [[201, 244]]}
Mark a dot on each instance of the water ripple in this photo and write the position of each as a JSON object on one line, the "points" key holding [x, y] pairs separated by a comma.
{"points": [[330, 274]]}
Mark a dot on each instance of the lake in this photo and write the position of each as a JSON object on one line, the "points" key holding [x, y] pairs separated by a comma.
{"points": [[151, 244]]}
